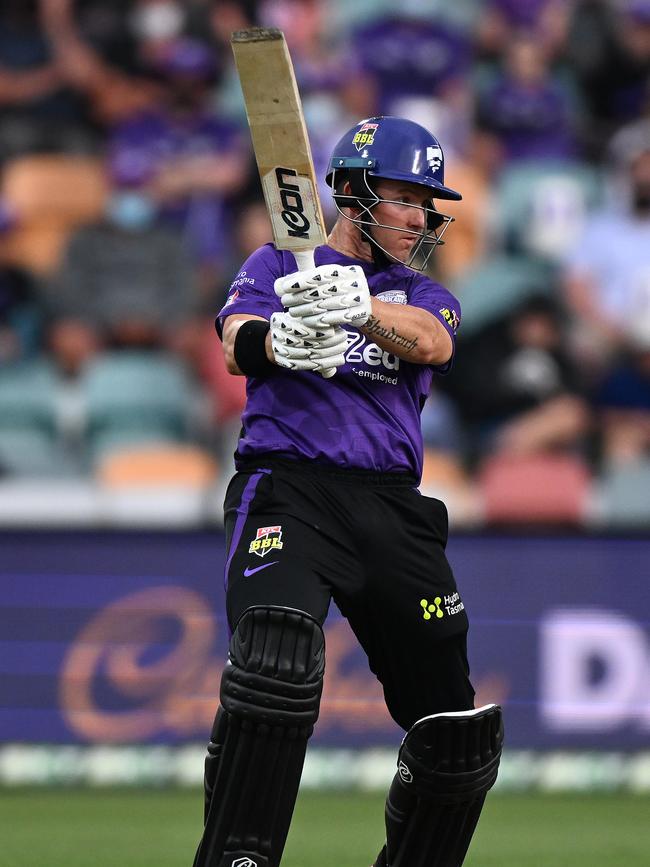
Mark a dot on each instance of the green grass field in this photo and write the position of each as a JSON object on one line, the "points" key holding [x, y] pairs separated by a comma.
{"points": [[91, 828]]}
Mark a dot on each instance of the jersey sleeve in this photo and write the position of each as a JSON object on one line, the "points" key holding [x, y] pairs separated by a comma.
{"points": [[252, 289], [440, 303]]}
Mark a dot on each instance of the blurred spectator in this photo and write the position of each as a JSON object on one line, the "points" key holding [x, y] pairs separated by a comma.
{"points": [[525, 108], [110, 93], [609, 51], [608, 273], [39, 108], [20, 315], [416, 67], [125, 282], [216, 20], [623, 400], [107, 28], [156, 24], [516, 387], [190, 161], [503, 19]]}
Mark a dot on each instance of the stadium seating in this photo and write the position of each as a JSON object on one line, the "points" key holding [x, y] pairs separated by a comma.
{"points": [[541, 206], [51, 195], [624, 496], [131, 398], [444, 478], [496, 284], [30, 445], [546, 489], [164, 465]]}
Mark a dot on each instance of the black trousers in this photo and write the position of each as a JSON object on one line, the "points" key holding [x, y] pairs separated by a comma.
{"points": [[299, 535]]}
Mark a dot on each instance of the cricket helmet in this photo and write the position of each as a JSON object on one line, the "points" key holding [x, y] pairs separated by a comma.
{"points": [[393, 148], [390, 148]]}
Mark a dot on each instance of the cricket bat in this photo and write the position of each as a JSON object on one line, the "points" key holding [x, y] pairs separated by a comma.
{"points": [[280, 142]]}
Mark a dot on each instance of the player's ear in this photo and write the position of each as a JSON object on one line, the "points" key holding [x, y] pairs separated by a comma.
{"points": [[346, 190]]}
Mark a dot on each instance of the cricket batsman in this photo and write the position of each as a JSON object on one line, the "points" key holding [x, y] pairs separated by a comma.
{"points": [[325, 505]]}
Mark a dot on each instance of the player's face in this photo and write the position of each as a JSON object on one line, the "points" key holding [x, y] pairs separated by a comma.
{"points": [[402, 207]]}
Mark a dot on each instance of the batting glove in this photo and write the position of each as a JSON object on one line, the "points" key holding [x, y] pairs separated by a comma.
{"points": [[298, 346], [326, 295]]}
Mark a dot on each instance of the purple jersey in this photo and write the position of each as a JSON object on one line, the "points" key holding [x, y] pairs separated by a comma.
{"points": [[366, 416]]}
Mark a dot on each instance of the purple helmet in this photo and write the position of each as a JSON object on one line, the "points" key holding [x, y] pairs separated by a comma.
{"points": [[390, 148], [394, 148]]}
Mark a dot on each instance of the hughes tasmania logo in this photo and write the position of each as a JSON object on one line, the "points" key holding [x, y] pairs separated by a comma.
{"points": [[442, 605]]}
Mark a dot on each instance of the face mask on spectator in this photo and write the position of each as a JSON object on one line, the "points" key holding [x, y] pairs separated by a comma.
{"points": [[130, 211], [158, 21]]}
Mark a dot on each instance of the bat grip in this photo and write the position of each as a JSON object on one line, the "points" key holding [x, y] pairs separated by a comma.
{"points": [[305, 261]]}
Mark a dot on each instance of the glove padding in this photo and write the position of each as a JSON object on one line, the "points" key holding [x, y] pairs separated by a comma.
{"points": [[326, 295], [298, 346]]}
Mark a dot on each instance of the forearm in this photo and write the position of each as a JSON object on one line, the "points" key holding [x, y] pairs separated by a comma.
{"points": [[409, 332], [17, 87], [209, 174], [558, 422]]}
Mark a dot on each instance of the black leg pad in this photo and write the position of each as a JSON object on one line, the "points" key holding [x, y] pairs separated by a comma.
{"points": [[447, 763], [270, 696]]}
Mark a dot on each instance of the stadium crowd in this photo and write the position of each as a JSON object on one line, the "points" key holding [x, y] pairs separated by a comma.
{"points": [[129, 196]]}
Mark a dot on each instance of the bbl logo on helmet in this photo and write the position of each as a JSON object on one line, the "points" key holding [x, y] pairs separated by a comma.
{"points": [[365, 135], [434, 157], [266, 539], [244, 862]]}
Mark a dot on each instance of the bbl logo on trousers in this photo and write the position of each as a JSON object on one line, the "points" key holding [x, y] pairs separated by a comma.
{"points": [[266, 539]]}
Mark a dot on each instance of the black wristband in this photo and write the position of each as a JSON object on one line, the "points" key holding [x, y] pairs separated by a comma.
{"points": [[250, 348]]}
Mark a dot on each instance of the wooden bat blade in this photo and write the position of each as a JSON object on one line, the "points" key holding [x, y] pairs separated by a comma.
{"points": [[280, 138]]}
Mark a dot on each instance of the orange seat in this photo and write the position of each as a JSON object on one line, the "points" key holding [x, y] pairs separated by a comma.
{"points": [[51, 195], [157, 466], [442, 469], [537, 489], [444, 478]]}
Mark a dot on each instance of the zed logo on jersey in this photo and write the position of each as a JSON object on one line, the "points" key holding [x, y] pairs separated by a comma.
{"points": [[365, 135], [266, 539]]}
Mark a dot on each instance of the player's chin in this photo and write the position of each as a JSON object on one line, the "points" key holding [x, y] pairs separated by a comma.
{"points": [[401, 249]]}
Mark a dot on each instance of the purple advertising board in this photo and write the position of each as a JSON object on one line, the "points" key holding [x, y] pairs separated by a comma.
{"points": [[116, 637]]}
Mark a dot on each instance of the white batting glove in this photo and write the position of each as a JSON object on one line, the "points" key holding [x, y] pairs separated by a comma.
{"points": [[298, 346], [326, 295]]}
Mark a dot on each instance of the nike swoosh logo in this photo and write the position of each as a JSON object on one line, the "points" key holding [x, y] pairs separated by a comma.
{"points": [[248, 572]]}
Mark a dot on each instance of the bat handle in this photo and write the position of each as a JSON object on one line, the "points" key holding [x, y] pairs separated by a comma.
{"points": [[305, 261]]}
